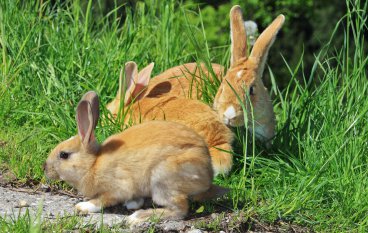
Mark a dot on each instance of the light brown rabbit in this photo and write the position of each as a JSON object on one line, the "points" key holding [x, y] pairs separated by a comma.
{"points": [[149, 105], [244, 75], [244, 80], [163, 160]]}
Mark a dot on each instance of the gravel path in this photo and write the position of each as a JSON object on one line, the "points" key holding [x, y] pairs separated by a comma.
{"points": [[16, 201]]}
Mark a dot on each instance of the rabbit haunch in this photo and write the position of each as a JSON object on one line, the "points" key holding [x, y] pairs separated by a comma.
{"points": [[163, 160], [150, 105]]}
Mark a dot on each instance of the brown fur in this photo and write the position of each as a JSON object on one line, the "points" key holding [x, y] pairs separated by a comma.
{"points": [[163, 160], [191, 113], [195, 115], [183, 81]]}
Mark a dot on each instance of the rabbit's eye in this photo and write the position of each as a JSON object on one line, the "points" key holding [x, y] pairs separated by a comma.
{"points": [[251, 91], [64, 155]]}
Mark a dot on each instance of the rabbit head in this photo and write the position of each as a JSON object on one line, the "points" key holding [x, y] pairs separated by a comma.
{"points": [[242, 86], [71, 159]]}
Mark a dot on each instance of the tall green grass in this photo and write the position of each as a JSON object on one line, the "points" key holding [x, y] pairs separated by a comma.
{"points": [[314, 175]]}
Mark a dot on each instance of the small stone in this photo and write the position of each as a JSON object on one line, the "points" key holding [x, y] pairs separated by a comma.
{"points": [[173, 226], [194, 231], [21, 204], [141, 227], [214, 215]]}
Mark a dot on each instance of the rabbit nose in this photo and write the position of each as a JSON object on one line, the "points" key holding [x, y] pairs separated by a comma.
{"points": [[229, 114]]}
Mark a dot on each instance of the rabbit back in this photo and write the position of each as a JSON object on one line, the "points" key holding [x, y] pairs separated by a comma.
{"points": [[183, 80]]}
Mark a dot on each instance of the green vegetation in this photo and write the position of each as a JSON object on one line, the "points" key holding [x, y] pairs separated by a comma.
{"points": [[68, 223], [315, 175]]}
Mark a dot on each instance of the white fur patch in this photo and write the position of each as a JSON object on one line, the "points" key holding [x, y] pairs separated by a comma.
{"points": [[87, 207], [230, 112], [239, 74], [134, 204]]}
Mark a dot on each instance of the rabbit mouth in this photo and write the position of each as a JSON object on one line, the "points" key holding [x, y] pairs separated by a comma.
{"points": [[263, 133], [232, 116], [234, 122], [50, 174]]}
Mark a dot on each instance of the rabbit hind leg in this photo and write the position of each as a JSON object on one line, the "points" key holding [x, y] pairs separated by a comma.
{"points": [[174, 208]]}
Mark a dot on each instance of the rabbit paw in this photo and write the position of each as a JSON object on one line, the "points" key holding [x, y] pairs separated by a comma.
{"points": [[87, 207], [136, 218], [134, 204]]}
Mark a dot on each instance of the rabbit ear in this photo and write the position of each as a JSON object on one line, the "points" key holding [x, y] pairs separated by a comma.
{"points": [[265, 41], [140, 83], [238, 35], [93, 100], [85, 122], [131, 72], [144, 75]]}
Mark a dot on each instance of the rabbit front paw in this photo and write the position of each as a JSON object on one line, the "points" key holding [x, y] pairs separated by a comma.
{"points": [[87, 207]]}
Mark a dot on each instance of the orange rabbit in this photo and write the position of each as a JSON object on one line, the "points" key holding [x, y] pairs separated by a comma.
{"points": [[244, 80], [163, 160]]}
